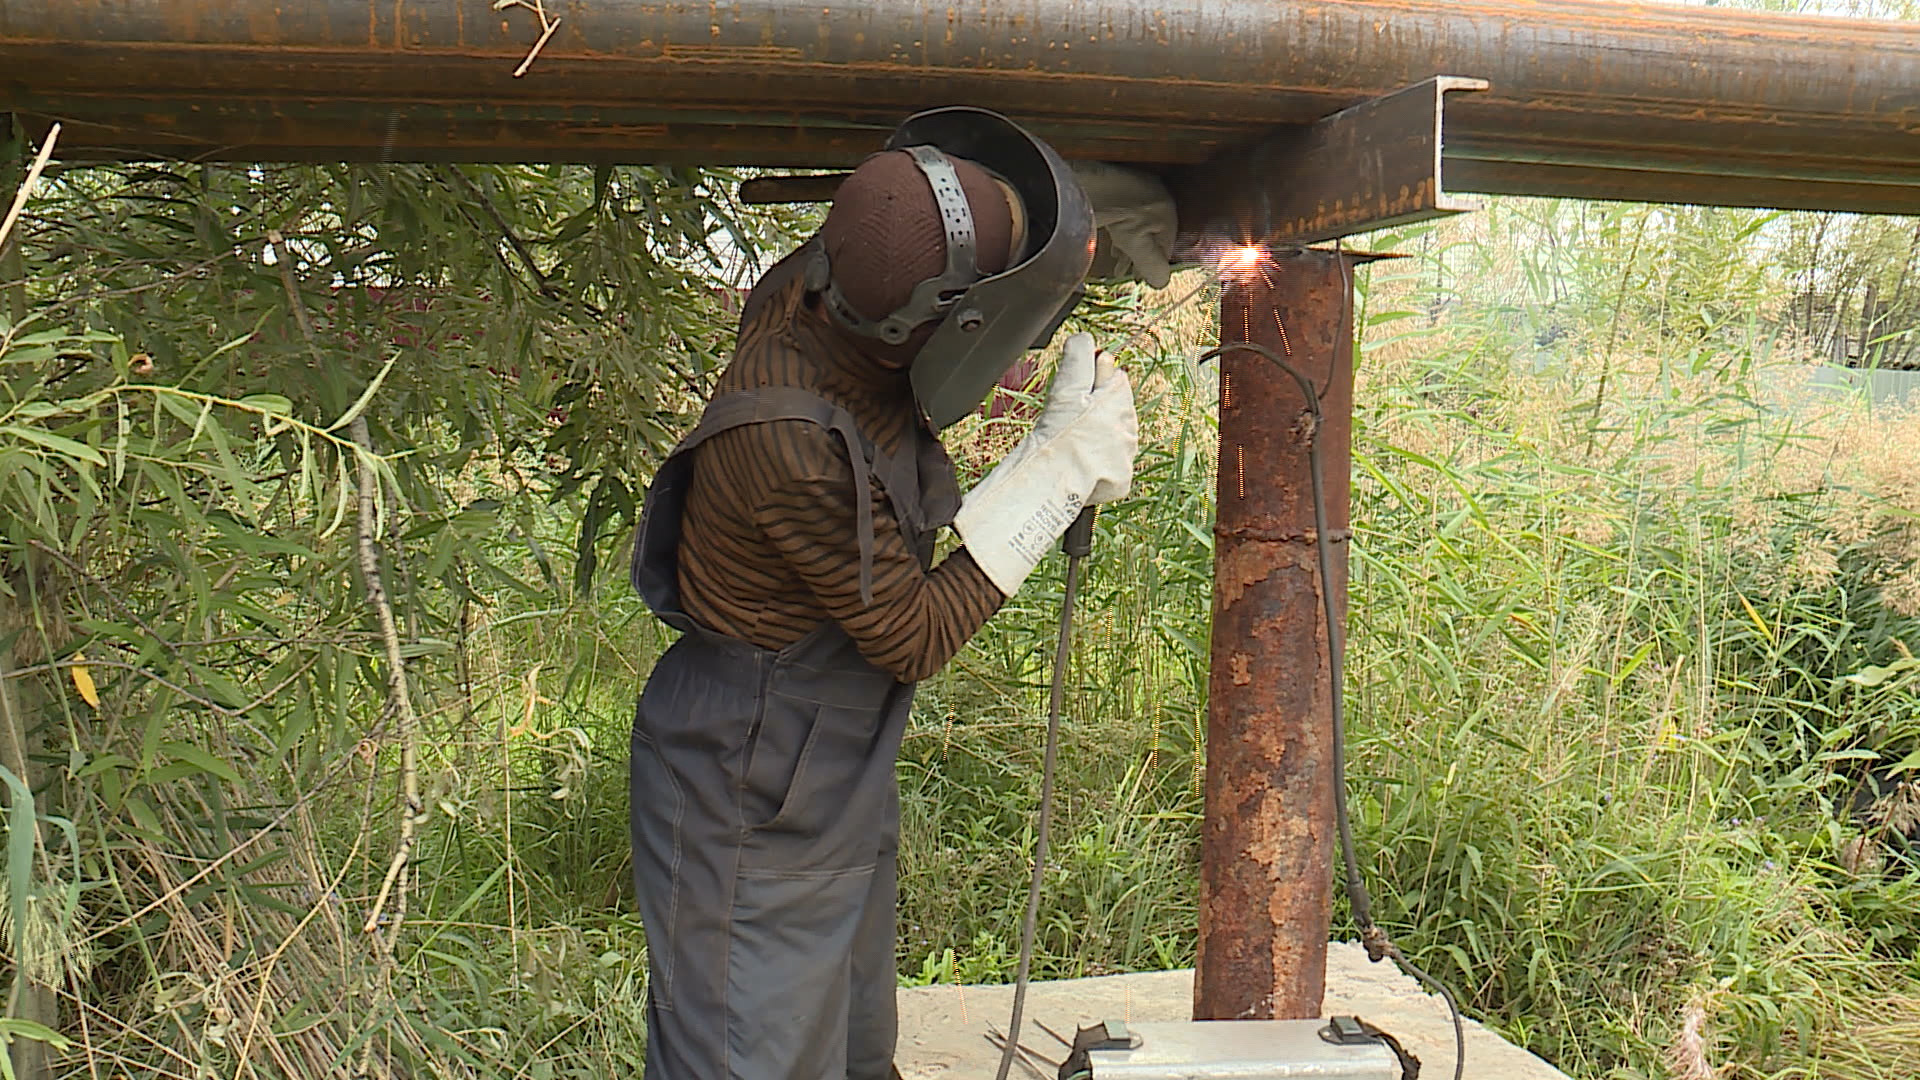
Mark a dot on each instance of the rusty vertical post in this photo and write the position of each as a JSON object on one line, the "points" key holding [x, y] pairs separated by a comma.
{"points": [[1266, 869]]}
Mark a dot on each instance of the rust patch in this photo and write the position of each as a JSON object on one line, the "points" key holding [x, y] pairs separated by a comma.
{"points": [[1239, 567], [1277, 842]]}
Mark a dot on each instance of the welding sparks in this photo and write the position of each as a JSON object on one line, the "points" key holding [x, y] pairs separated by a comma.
{"points": [[1243, 265]]}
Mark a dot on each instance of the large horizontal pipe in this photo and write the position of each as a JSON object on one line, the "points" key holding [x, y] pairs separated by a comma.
{"points": [[1612, 100]]}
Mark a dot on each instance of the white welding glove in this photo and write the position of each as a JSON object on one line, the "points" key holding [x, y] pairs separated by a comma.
{"points": [[1080, 451], [1136, 212]]}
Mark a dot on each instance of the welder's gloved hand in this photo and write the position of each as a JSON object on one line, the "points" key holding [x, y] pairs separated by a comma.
{"points": [[1135, 211], [1080, 451]]}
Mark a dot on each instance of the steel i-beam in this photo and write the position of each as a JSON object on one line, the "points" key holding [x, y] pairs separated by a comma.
{"points": [[1375, 165], [1266, 881]]}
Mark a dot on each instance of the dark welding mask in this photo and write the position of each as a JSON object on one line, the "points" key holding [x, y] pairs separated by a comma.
{"points": [[985, 323]]}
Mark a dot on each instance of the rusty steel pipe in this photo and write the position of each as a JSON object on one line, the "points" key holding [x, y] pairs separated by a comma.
{"points": [[1589, 98], [1266, 870]]}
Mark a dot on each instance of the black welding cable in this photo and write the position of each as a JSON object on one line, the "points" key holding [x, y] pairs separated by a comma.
{"points": [[1377, 943]]}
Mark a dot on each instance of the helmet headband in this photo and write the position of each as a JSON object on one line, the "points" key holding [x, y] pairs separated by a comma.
{"points": [[934, 297]]}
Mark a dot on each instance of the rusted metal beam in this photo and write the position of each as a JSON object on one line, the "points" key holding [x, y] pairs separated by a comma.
{"points": [[1588, 98], [1265, 881], [1373, 166]]}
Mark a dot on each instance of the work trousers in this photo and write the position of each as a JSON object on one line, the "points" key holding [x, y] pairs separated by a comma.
{"points": [[765, 821]]}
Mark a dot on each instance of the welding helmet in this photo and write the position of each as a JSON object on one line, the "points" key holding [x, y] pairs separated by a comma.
{"points": [[985, 323]]}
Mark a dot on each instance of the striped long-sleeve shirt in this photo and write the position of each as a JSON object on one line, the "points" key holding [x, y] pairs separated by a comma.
{"points": [[769, 547]]}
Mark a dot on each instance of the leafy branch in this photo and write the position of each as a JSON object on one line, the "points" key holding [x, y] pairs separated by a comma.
{"points": [[399, 697]]}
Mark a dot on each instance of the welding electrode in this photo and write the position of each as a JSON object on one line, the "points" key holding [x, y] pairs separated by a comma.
{"points": [[1077, 542]]}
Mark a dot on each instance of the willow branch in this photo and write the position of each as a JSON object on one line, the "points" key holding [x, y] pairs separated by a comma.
{"points": [[542, 284], [26, 186], [506, 231], [399, 698]]}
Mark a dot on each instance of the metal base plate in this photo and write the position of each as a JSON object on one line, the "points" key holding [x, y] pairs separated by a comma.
{"points": [[1241, 1050]]}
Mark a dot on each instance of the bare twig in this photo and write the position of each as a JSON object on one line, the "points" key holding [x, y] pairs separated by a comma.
{"points": [[341, 640], [399, 699], [281, 685], [537, 46], [240, 848], [547, 27], [85, 1008], [266, 967], [172, 278], [115, 665], [283, 259], [108, 591], [26, 186]]}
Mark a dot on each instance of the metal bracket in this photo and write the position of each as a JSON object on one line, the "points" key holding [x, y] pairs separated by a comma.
{"points": [[1346, 1031], [1368, 167]]}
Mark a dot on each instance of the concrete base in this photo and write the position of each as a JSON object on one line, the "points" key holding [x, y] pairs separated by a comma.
{"points": [[943, 1029]]}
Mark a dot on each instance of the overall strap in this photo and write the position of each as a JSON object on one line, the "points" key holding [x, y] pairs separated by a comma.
{"points": [[770, 403]]}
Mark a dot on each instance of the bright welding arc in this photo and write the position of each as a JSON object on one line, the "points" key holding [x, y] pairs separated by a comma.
{"points": [[1234, 266], [1243, 262]]}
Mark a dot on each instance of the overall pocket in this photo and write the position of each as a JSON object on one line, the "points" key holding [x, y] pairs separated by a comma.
{"points": [[776, 755], [817, 774]]}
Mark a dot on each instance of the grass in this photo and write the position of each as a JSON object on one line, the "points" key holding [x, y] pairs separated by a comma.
{"points": [[1609, 621], [1604, 742], [1631, 686]]}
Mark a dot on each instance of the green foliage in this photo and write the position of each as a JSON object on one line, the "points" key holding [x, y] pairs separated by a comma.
{"points": [[1632, 691], [1615, 664], [228, 390]]}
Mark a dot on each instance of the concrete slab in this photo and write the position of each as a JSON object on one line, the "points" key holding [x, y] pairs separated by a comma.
{"points": [[943, 1029]]}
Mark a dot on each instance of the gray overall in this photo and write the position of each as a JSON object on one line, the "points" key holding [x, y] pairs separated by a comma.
{"points": [[765, 811]]}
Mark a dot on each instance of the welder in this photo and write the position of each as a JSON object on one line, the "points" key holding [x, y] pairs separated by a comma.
{"points": [[790, 539]]}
